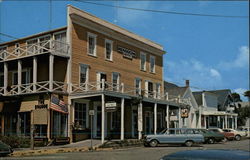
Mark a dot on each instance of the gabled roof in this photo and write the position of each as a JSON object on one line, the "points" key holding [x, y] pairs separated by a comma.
{"points": [[198, 97], [174, 90]]}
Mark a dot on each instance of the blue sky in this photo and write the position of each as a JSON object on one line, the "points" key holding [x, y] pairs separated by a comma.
{"points": [[213, 53]]}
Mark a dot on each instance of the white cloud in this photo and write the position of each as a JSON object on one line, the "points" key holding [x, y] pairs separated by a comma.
{"points": [[199, 74], [241, 60], [214, 73], [131, 16]]}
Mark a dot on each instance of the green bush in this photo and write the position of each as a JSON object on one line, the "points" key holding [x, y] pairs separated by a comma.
{"points": [[15, 141]]}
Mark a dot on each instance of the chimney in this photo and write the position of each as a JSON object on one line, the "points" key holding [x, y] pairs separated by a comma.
{"points": [[187, 83]]}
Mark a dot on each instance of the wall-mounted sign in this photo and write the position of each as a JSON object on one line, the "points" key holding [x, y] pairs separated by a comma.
{"points": [[127, 53], [41, 106], [110, 106], [184, 113], [91, 112]]}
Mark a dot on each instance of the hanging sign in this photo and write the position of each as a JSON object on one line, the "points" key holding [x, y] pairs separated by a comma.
{"points": [[110, 106]]}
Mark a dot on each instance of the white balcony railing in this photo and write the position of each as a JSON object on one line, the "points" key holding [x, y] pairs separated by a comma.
{"points": [[49, 46], [44, 86]]}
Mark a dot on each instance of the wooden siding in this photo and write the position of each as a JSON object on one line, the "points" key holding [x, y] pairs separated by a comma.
{"points": [[128, 69]]}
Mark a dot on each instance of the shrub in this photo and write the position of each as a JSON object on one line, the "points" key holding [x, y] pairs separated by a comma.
{"points": [[15, 141]]}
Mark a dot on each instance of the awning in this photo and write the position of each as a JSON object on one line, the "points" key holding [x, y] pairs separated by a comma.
{"points": [[41, 116], [9, 107]]}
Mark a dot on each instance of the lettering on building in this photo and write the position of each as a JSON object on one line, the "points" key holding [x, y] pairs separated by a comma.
{"points": [[127, 53]]}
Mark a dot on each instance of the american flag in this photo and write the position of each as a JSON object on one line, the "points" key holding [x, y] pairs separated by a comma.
{"points": [[58, 105]]}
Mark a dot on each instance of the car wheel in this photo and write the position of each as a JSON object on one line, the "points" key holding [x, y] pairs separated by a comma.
{"points": [[237, 137], [189, 143], [153, 143], [211, 141]]}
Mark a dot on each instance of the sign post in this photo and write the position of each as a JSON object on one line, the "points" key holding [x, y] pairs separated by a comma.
{"points": [[91, 113]]}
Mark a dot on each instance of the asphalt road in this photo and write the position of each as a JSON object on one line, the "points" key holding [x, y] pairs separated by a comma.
{"points": [[138, 153]]}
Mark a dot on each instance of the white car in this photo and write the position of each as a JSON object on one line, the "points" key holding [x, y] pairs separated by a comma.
{"points": [[246, 129], [237, 133]]}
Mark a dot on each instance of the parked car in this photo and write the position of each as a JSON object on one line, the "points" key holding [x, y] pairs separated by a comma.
{"points": [[210, 137], [228, 135], [5, 149], [208, 155], [246, 129], [237, 133], [174, 136]]}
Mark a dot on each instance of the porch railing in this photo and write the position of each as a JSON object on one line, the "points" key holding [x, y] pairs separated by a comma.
{"points": [[48, 46]]}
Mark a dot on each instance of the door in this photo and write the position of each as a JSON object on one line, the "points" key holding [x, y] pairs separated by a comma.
{"points": [[25, 123], [134, 123], [99, 78], [98, 122]]}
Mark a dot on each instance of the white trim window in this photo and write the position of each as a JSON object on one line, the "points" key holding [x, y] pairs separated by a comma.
{"points": [[152, 64], [137, 86], [60, 42], [3, 53], [108, 50], [84, 73], [115, 81], [44, 43], [143, 61], [91, 44], [80, 113], [25, 77]]}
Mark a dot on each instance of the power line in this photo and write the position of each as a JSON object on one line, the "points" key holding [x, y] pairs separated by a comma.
{"points": [[161, 11], [7, 35]]}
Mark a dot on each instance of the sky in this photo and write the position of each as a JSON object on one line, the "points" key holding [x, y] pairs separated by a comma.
{"points": [[211, 52]]}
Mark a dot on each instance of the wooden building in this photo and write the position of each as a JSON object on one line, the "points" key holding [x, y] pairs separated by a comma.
{"points": [[52, 81]]}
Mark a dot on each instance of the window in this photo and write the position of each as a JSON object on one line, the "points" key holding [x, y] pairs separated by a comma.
{"points": [[44, 44], [92, 44], [152, 64], [138, 86], [25, 77], [3, 52], [116, 120], [150, 89], [115, 81], [108, 49], [80, 115], [143, 61], [84, 73], [60, 42]]}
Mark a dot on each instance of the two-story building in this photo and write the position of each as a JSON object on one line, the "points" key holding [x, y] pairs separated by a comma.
{"points": [[89, 73], [216, 108]]}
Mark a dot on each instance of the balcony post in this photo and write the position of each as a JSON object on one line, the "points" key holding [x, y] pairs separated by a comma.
{"points": [[122, 87], [69, 86], [5, 77], [51, 71], [19, 75], [103, 118], [122, 119], [140, 119], [155, 118], [167, 116], [166, 94], [103, 84], [34, 73]]}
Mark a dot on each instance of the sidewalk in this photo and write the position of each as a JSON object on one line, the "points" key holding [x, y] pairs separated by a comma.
{"points": [[73, 147]]}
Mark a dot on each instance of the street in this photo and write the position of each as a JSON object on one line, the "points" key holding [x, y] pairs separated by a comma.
{"points": [[145, 153]]}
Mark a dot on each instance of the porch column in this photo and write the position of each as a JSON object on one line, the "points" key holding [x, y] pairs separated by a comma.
{"points": [[155, 118], [235, 122], [19, 75], [69, 76], [5, 77], [205, 121], [122, 119], [103, 118], [179, 117], [167, 116], [226, 121], [218, 121], [199, 120], [140, 118], [223, 123], [34, 73], [51, 71]]}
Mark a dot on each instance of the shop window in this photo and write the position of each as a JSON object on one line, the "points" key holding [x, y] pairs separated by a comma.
{"points": [[25, 123], [40, 131], [80, 115], [143, 61], [116, 120], [152, 64], [115, 81], [91, 44], [59, 128], [108, 49]]}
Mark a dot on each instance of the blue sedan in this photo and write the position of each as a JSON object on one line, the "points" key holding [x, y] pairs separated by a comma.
{"points": [[174, 136]]}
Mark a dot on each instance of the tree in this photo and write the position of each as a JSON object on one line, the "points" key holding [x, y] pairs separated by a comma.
{"points": [[243, 114], [247, 94], [236, 97]]}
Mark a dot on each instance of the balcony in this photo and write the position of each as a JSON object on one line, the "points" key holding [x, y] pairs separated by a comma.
{"points": [[49, 46]]}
